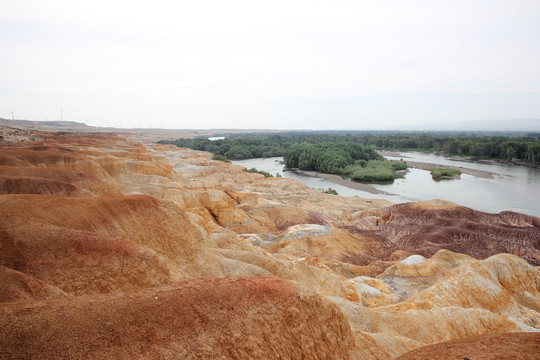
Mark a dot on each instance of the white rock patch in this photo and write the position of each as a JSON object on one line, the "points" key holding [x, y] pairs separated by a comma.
{"points": [[367, 290], [414, 260], [302, 230]]}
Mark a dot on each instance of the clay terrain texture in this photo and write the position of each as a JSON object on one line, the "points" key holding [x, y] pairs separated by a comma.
{"points": [[116, 249]]}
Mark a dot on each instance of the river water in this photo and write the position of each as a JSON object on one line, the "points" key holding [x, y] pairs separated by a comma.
{"points": [[514, 188]]}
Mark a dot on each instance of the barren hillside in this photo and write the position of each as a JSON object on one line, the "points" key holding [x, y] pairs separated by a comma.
{"points": [[116, 249]]}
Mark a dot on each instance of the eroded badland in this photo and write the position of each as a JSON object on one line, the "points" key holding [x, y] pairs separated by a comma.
{"points": [[114, 249]]}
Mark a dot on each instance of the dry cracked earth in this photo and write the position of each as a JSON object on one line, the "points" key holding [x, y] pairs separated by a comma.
{"points": [[111, 249]]}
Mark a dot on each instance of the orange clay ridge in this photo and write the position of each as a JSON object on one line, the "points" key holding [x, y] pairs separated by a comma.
{"points": [[111, 249]]}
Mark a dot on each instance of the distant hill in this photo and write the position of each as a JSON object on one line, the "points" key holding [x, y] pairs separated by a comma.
{"points": [[525, 125], [44, 125], [147, 134]]}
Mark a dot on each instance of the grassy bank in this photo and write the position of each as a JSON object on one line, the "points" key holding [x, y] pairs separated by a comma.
{"points": [[374, 170]]}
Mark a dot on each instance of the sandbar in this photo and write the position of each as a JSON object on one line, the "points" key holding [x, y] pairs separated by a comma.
{"points": [[337, 179]]}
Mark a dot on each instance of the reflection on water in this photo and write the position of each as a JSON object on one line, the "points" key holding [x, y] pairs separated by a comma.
{"points": [[514, 188], [498, 168]]}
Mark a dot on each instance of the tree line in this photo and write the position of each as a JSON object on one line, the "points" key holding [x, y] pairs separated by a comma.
{"points": [[328, 157], [524, 148], [235, 148]]}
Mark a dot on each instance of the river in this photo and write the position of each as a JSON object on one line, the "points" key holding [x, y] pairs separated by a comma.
{"points": [[515, 188]]}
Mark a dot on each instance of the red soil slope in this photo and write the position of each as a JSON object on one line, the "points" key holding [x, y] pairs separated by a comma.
{"points": [[238, 318], [424, 229], [98, 244], [17, 286], [511, 346]]}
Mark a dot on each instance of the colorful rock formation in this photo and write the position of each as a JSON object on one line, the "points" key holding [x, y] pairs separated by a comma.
{"points": [[114, 249]]}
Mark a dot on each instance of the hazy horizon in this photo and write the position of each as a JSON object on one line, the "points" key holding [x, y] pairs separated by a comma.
{"points": [[279, 65], [503, 126]]}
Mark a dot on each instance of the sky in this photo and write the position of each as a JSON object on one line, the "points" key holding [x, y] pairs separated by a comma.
{"points": [[295, 64]]}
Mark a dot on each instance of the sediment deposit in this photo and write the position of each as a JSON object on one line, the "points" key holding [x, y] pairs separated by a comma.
{"points": [[118, 249]]}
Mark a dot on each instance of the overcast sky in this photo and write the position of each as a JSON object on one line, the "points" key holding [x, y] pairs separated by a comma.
{"points": [[297, 64]]}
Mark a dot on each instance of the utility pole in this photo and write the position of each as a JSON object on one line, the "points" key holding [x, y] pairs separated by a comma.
{"points": [[61, 115], [13, 115]]}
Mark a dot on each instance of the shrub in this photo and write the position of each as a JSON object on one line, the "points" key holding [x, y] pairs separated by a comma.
{"points": [[368, 174], [361, 163], [391, 164], [262, 172], [438, 174], [330, 191], [220, 158]]}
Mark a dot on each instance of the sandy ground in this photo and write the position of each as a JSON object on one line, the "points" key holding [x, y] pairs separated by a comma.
{"points": [[337, 179], [473, 172], [390, 153], [429, 166]]}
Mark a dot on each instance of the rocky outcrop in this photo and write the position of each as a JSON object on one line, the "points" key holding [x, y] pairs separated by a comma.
{"points": [[331, 244], [425, 227], [502, 284], [450, 296], [398, 332], [53, 181]]}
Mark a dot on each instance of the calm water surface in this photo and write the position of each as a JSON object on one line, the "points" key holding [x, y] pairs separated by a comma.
{"points": [[514, 188]]}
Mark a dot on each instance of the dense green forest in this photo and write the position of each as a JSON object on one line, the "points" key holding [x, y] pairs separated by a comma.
{"points": [[358, 162], [328, 157], [524, 148], [235, 147], [342, 156]]}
